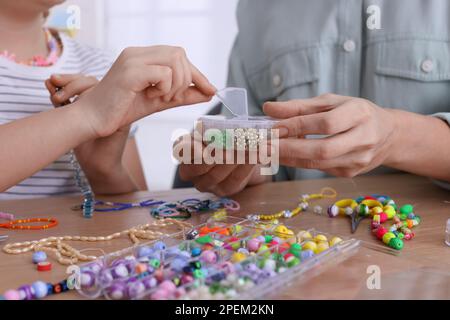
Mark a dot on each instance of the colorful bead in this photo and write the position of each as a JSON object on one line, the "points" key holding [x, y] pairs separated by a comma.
{"points": [[39, 256], [310, 245], [335, 240], [387, 237], [12, 295]]}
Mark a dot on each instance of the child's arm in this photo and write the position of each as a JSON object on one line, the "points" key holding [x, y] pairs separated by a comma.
{"points": [[142, 81]]}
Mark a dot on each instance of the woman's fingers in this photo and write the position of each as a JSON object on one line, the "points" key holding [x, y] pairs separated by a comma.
{"points": [[60, 80], [293, 108], [235, 182], [73, 88], [339, 119]]}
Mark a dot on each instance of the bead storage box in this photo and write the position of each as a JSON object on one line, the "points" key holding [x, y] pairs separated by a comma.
{"points": [[240, 131], [230, 258]]}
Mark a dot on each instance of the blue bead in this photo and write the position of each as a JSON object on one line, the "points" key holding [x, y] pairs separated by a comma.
{"points": [[39, 256], [196, 252], [159, 245], [40, 289], [49, 289], [144, 251], [178, 264], [306, 254]]}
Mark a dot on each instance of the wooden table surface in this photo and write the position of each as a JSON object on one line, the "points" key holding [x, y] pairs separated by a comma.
{"points": [[421, 270]]}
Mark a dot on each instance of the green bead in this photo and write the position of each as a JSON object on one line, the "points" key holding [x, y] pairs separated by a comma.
{"points": [[403, 216], [198, 274], [155, 263], [400, 235], [418, 219], [296, 247], [293, 262], [204, 240], [406, 209], [268, 238], [396, 243]]}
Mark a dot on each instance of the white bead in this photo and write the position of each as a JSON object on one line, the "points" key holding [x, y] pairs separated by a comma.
{"points": [[349, 45], [427, 66]]}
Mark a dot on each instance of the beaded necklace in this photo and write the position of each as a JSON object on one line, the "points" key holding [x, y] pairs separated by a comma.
{"points": [[39, 61], [66, 254], [303, 205]]}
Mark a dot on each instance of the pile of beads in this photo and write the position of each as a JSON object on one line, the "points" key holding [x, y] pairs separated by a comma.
{"points": [[219, 260], [184, 209], [303, 205], [66, 254], [381, 209]]}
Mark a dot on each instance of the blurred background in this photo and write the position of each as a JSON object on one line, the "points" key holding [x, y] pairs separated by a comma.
{"points": [[205, 28]]}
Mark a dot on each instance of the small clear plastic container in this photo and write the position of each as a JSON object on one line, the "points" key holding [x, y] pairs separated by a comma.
{"points": [[240, 131], [117, 276]]}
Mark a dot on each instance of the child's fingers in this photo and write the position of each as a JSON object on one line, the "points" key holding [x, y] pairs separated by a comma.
{"points": [[50, 87], [74, 88], [192, 95], [60, 80], [201, 82]]}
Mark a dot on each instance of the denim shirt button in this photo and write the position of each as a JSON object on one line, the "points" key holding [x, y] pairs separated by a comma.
{"points": [[276, 80], [349, 45], [427, 65]]}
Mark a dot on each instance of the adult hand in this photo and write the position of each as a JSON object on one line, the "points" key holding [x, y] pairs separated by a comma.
{"points": [[359, 133]]}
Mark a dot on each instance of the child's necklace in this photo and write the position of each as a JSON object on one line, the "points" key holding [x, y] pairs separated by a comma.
{"points": [[39, 61]]}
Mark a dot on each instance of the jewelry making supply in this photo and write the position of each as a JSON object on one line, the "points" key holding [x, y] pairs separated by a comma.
{"points": [[302, 206], [6, 216], [184, 209], [110, 206], [84, 186], [44, 266], [381, 208], [66, 254], [28, 224], [39, 256], [37, 290]]}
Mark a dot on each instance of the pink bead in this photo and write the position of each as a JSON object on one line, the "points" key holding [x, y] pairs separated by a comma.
{"points": [[180, 292], [208, 256], [253, 245], [186, 278], [160, 294], [383, 217], [12, 295], [227, 267], [168, 286]]}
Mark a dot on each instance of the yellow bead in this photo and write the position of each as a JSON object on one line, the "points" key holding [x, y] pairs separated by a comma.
{"points": [[390, 211], [387, 237], [321, 246], [320, 237], [310, 245], [303, 235], [376, 210], [238, 257], [335, 240]]}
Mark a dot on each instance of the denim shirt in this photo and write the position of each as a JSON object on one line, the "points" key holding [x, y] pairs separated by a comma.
{"points": [[293, 49]]}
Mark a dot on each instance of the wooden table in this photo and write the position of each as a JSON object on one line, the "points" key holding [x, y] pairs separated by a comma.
{"points": [[422, 270]]}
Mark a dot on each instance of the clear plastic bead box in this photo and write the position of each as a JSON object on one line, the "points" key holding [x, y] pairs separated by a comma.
{"points": [[131, 282]]}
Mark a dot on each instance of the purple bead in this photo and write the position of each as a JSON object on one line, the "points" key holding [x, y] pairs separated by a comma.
{"points": [[25, 292], [87, 279], [105, 278], [306, 254], [144, 251], [159, 245], [150, 282], [135, 289], [172, 252], [117, 290], [178, 264], [251, 267], [95, 266]]}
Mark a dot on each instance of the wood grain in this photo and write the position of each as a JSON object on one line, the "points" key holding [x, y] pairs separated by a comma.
{"points": [[421, 270]]}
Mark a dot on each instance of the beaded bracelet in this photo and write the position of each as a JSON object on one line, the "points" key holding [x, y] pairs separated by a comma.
{"points": [[302, 206], [109, 206], [184, 209], [381, 208], [37, 290], [23, 224]]}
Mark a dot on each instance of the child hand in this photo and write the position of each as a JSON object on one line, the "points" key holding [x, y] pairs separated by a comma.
{"points": [[101, 159], [143, 81]]}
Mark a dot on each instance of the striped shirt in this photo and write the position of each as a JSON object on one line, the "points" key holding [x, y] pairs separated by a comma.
{"points": [[23, 93]]}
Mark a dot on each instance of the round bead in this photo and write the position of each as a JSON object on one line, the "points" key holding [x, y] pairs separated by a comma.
{"points": [[196, 251], [390, 211], [376, 210], [292, 263], [387, 237], [12, 295], [39, 256], [159, 245], [309, 245], [396, 243], [270, 265], [380, 232], [335, 240], [253, 245], [208, 256], [304, 235], [406, 209], [383, 217], [168, 285], [322, 246], [363, 210], [117, 291], [237, 257], [305, 254], [320, 237], [144, 251], [87, 279], [333, 211]]}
